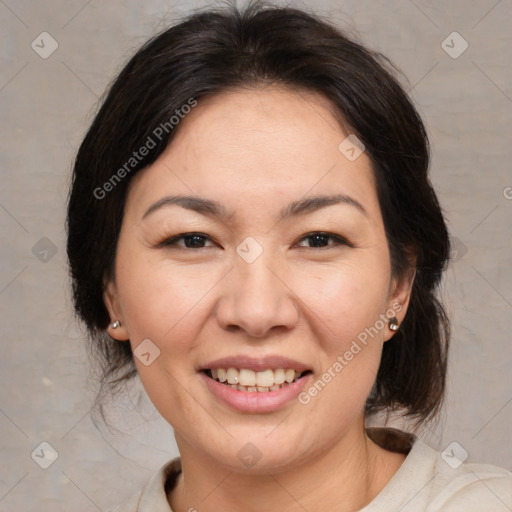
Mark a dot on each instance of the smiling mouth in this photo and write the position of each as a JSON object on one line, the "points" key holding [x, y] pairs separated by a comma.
{"points": [[253, 382]]}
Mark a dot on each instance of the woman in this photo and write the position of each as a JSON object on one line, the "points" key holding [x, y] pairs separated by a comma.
{"points": [[252, 231]]}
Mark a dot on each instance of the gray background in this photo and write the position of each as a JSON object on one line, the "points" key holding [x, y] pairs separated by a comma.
{"points": [[46, 385]]}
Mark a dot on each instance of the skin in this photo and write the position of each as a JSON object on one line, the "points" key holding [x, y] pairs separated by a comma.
{"points": [[255, 151]]}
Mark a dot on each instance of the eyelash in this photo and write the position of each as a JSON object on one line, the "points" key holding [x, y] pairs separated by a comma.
{"points": [[339, 240]]}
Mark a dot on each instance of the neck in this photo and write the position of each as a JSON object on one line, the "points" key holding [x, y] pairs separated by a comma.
{"points": [[344, 478]]}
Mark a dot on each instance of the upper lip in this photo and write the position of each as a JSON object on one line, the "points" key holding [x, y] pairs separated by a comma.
{"points": [[257, 364]]}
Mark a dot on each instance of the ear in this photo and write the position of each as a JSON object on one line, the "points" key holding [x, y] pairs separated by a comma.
{"points": [[111, 299], [400, 296]]}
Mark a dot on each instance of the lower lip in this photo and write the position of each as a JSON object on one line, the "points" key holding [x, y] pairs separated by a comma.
{"points": [[255, 401]]}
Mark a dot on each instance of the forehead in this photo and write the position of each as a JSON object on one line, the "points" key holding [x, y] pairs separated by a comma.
{"points": [[257, 146]]}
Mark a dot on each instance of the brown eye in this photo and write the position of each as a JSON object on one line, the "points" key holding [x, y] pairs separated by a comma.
{"points": [[319, 240], [187, 240]]}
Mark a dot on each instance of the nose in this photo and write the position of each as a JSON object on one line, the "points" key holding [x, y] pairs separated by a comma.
{"points": [[257, 300]]}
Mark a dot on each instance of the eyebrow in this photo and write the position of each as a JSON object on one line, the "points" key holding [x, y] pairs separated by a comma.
{"points": [[212, 208]]}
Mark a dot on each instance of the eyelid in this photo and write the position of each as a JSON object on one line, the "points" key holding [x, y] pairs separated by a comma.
{"points": [[171, 240], [339, 240]]}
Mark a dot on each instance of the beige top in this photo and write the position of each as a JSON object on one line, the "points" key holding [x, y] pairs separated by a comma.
{"points": [[425, 482]]}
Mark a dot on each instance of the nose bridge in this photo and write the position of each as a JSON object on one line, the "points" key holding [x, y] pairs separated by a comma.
{"points": [[257, 282], [257, 300]]}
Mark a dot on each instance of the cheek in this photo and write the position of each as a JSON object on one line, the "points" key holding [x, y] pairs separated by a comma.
{"points": [[350, 348], [345, 300], [166, 306], [161, 300], [346, 304]]}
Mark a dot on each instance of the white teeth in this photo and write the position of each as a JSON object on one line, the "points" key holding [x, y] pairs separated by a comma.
{"points": [[232, 376], [249, 380], [289, 375], [279, 377], [265, 379], [247, 377]]}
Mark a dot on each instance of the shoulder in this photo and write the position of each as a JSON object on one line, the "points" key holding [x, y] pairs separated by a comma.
{"points": [[153, 497], [471, 488], [130, 505], [431, 481]]}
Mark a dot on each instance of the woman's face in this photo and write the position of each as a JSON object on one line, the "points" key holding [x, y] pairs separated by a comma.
{"points": [[287, 268]]}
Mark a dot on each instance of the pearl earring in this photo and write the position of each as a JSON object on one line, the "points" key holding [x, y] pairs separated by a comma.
{"points": [[115, 325]]}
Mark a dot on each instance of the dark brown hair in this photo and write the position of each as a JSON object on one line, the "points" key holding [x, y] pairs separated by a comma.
{"points": [[209, 52]]}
